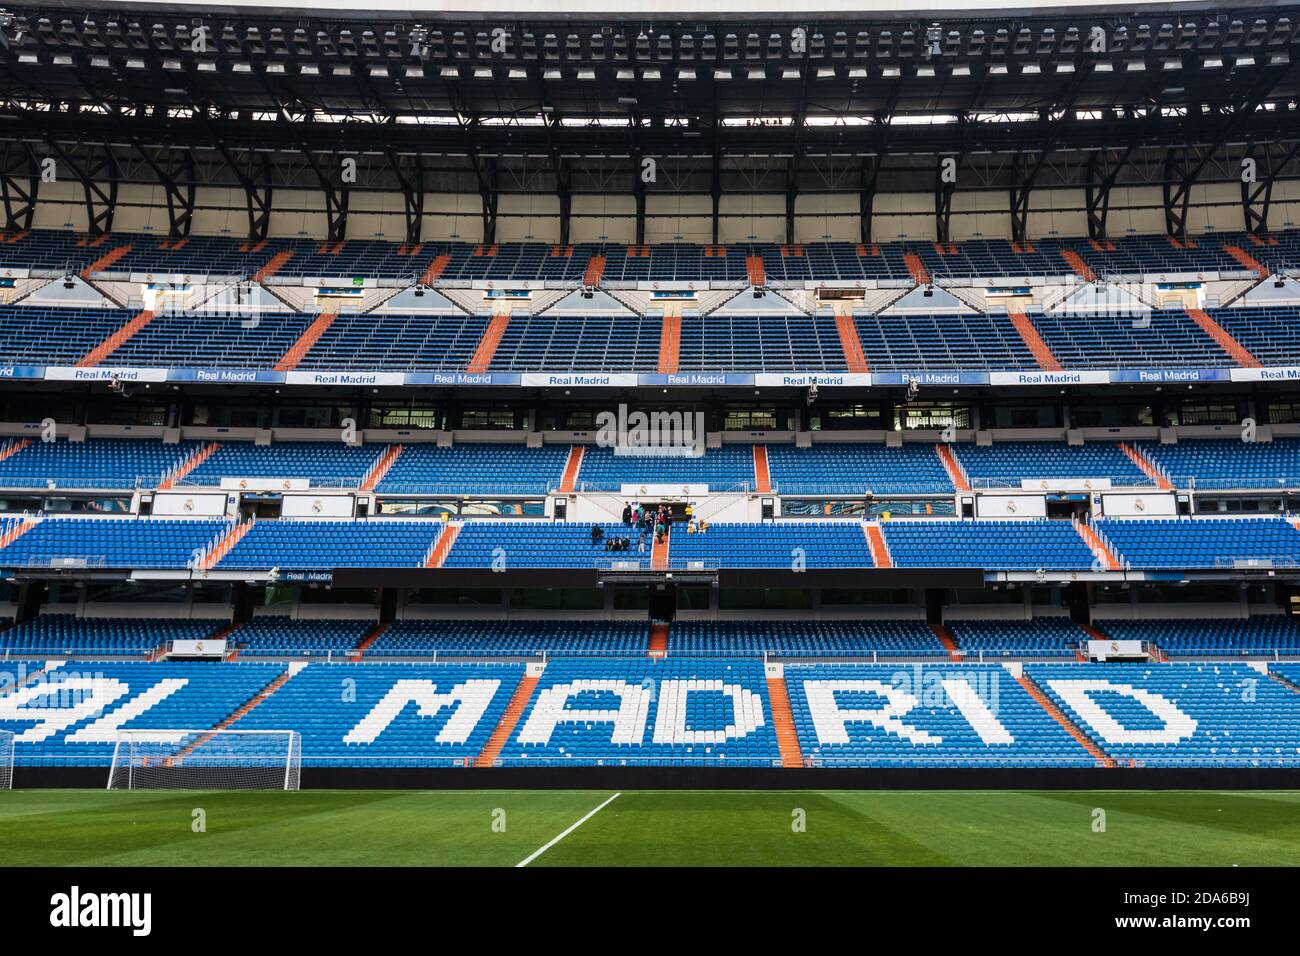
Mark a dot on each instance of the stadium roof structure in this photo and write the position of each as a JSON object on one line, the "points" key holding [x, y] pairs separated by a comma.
{"points": [[562, 104]]}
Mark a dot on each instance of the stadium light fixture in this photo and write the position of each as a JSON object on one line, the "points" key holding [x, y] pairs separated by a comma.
{"points": [[309, 69], [790, 73], [450, 73], [686, 74]]}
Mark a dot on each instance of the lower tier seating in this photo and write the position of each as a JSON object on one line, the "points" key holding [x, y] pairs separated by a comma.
{"points": [[456, 638], [924, 716], [847, 638], [1178, 714], [72, 714], [840, 467], [282, 637], [1203, 543], [64, 634], [675, 712], [390, 715], [1027, 544], [1012, 463], [113, 542], [473, 468], [1259, 635], [1040, 637], [325, 544], [664, 713], [1229, 463]]}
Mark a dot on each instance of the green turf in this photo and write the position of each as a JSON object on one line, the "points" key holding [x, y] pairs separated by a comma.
{"points": [[911, 828]]}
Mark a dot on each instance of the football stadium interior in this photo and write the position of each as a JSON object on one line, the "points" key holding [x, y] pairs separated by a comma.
{"points": [[541, 400]]}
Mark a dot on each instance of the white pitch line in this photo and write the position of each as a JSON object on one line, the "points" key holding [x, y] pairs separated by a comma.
{"points": [[536, 853]]}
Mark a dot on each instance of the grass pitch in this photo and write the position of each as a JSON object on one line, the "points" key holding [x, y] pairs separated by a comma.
{"points": [[709, 828]]}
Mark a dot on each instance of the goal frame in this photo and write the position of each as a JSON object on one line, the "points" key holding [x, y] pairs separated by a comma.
{"points": [[290, 779], [8, 740]]}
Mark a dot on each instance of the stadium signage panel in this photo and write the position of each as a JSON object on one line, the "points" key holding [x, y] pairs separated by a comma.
{"points": [[334, 285], [1165, 375], [62, 373], [1064, 484], [265, 484], [1083, 377], [698, 378], [931, 378], [305, 577], [1011, 506], [1104, 650], [204, 648], [663, 488], [462, 378], [804, 379], [367, 377], [1280, 373], [225, 376], [1143, 505], [345, 378], [579, 380], [22, 371]]}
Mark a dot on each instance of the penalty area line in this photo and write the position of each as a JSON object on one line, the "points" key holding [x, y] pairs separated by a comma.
{"points": [[538, 852]]}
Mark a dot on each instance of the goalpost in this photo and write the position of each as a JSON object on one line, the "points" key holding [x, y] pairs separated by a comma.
{"points": [[206, 760], [7, 738]]}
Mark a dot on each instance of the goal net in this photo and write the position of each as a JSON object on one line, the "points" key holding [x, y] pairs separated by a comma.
{"points": [[206, 760], [6, 759]]}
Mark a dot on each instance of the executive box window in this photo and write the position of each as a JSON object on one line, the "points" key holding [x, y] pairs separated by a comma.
{"points": [[933, 415], [748, 418], [505, 417], [846, 417], [393, 415]]}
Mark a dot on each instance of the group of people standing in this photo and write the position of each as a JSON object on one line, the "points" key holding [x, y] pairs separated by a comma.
{"points": [[656, 521], [648, 521]]}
